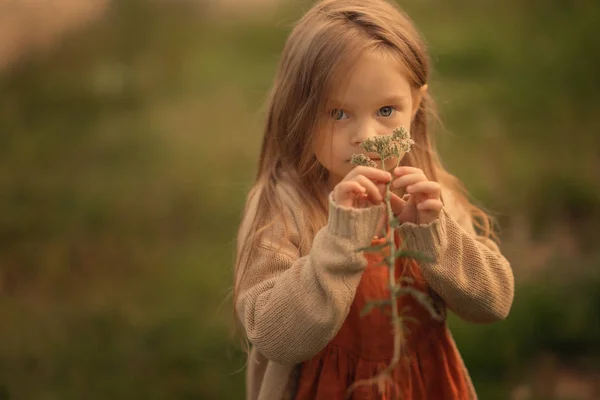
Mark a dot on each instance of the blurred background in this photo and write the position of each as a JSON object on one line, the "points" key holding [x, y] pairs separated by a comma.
{"points": [[129, 135]]}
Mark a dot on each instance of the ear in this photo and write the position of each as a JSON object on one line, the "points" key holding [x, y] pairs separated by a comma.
{"points": [[417, 97]]}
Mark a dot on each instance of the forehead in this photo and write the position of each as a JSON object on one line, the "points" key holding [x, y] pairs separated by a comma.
{"points": [[374, 75]]}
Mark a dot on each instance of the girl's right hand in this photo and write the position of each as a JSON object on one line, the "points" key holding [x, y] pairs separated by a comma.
{"points": [[363, 186]]}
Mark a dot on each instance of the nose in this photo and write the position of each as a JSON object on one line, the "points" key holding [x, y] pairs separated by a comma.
{"points": [[363, 131]]}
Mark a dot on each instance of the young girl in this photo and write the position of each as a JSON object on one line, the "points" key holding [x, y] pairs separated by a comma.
{"points": [[350, 70]]}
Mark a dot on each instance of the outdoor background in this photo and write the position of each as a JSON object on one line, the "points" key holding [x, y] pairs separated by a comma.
{"points": [[129, 134]]}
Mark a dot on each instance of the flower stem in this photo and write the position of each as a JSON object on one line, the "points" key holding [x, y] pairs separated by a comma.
{"points": [[390, 260]]}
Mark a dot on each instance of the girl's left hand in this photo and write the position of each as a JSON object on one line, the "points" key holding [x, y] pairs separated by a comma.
{"points": [[424, 204]]}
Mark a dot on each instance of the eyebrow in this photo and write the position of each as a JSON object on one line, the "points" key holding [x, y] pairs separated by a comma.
{"points": [[394, 99]]}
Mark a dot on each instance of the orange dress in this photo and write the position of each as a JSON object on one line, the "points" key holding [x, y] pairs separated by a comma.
{"points": [[430, 366]]}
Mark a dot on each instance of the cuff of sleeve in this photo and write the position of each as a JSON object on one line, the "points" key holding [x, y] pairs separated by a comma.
{"points": [[354, 223], [427, 238]]}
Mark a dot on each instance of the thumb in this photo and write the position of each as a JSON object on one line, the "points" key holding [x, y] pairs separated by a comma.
{"points": [[397, 203]]}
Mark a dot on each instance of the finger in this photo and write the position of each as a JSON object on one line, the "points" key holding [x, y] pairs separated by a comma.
{"points": [[429, 210], [374, 193], [407, 180], [372, 173], [411, 200], [346, 192], [352, 187], [361, 200], [425, 189], [405, 170], [430, 205]]}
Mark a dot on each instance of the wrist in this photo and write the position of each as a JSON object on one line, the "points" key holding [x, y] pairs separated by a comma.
{"points": [[354, 223]]}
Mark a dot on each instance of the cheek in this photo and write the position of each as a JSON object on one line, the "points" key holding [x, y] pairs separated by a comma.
{"points": [[403, 118], [321, 146], [325, 135], [405, 115]]}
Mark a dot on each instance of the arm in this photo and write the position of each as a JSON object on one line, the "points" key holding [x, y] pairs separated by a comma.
{"points": [[469, 274], [292, 306]]}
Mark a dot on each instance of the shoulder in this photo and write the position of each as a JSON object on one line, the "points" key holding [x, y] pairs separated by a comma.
{"points": [[274, 214]]}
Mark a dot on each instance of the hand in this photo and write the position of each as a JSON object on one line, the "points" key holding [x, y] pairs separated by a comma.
{"points": [[422, 204], [361, 187]]}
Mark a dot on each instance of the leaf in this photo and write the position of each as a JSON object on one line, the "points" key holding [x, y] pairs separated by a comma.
{"points": [[402, 290], [374, 304], [372, 249], [394, 223]]}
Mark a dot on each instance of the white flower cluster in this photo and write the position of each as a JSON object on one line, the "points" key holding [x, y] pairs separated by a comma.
{"points": [[395, 145], [402, 137], [361, 159]]}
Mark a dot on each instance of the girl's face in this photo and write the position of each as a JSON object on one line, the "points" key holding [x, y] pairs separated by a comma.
{"points": [[376, 98]]}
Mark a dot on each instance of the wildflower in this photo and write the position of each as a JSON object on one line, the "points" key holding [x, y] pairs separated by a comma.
{"points": [[395, 145], [402, 137], [382, 145], [361, 159]]}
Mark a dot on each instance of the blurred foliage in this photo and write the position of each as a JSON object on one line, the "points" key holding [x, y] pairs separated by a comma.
{"points": [[126, 153]]}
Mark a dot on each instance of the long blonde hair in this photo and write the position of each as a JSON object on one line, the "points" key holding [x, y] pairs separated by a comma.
{"points": [[328, 39]]}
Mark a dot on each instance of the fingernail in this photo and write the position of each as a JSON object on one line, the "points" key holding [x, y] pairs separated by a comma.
{"points": [[409, 189]]}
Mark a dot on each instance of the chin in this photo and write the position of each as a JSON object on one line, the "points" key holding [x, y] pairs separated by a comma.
{"points": [[342, 170]]}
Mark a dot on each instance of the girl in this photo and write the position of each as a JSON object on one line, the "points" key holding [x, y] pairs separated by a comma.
{"points": [[350, 70]]}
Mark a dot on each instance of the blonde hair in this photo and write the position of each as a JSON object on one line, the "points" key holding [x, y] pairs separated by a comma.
{"points": [[328, 39]]}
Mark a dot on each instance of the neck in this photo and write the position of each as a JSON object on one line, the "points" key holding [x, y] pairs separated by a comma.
{"points": [[332, 180]]}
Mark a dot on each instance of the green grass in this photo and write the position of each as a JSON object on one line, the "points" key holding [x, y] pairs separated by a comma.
{"points": [[126, 154]]}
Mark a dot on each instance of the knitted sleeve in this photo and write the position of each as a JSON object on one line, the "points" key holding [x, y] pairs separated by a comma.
{"points": [[292, 306], [469, 273]]}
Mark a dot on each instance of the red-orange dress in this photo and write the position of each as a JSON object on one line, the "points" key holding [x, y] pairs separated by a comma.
{"points": [[430, 367]]}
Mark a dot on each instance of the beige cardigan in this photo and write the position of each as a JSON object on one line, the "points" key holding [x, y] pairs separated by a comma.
{"points": [[295, 294]]}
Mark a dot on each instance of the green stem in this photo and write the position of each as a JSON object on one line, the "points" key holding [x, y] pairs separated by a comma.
{"points": [[396, 321], [385, 375]]}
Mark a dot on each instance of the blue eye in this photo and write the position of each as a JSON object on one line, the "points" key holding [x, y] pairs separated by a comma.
{"points": [[386, 111], [338, 114]]}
